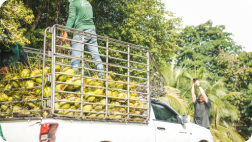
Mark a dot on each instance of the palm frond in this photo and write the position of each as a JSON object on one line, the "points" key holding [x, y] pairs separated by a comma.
{"points": [[188, 90], [230, 94], [173, 99], [231, 133], [200, 73]]}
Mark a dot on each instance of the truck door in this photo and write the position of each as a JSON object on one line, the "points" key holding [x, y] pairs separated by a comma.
{"points": [[168, 128]]}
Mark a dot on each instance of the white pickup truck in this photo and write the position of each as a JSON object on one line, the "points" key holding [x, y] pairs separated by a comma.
{"points": [[165, 125], [80, 107]]}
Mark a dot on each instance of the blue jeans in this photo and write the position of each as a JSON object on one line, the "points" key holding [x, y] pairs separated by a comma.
{"points": [[90, 40]]}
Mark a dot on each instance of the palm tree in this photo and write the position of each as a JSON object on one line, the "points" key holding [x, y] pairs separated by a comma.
{"points": [[223, 114]]}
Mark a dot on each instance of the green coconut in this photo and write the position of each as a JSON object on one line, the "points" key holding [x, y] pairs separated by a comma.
{"points": [[38, 92], [62, 78], [4, 107], [7, 87], [38, 80], [77, 82], [47, 70], [77, 105], [103, 101], [16, 97], [3, 97], [65, 106], [69, 71], [98, 108], [87, 107], [62, 103], [24, 73], [57, 105], [100, 115], [47, 92], [35, 73], [60, 87], [65, 69], [16, 82], [10, 99], [29, 83], [57, 68], [91, 114], [2, 85], [72, 108], [17, 108], [69, 87], [31, 104], [90, 99]]}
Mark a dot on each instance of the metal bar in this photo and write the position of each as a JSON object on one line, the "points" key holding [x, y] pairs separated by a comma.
{"points": [[110, 39], [148, 83], [128, 86], [72, 57], [107, 54], [15, 89], [43, 72], [53, 68], [80, 50], [118, 59], [22, 111], [34, 52], [119, 43], [35, 100], [82, 71], [139, 78], [153, 61], [59, 37], [138, 63], [138, 56], [61, 73], [23, 78], [120, 66], [117, 51]]}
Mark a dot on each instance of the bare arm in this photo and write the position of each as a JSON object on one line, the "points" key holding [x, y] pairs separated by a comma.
{"points": [[202, 92], [193, 93]]}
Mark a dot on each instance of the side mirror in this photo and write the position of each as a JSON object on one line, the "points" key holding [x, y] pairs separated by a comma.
{"points": [[185, 118], [180, 120]]}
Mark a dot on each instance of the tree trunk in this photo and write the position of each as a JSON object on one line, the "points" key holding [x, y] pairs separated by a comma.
{"points": [[37, 19]]}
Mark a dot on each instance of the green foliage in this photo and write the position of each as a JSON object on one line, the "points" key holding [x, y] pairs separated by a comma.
{"points": [[13, 14], [143, 23], [47, 13], [236, 70], [202, 44]]}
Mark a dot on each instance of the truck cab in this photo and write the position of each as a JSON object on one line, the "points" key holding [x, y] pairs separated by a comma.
{"points": [[170, 126]]}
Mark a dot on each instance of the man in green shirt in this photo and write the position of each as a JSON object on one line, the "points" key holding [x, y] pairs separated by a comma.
{"points": [[81, 18], [8, 50]]}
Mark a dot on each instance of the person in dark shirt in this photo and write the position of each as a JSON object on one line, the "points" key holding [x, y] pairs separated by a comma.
{"points": [[8, 50], [202, 106]]}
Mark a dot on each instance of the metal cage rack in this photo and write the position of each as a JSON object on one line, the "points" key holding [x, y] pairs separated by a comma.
{"points": [[125, 64]]}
